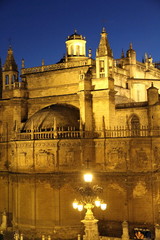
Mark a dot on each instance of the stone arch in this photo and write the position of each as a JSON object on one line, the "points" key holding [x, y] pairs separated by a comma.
{"points": [[134, 125]]}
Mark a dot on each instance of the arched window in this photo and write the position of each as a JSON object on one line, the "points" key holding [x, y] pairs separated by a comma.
{"points": [[101, 63], [13, 78], [72, 50], [77, 50], [7, 80], [135, 125]]}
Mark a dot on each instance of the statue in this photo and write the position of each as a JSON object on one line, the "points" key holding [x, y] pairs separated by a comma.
{"points": [[3, 225], [125, 235], [16, 236]]}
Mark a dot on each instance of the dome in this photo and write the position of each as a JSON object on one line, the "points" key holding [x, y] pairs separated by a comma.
{"points": [[76, 36], [54, 116]]}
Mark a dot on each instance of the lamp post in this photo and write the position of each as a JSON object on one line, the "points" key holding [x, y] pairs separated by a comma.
{"points": [[89, 200]]}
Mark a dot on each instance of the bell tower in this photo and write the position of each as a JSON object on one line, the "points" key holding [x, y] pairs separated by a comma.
{"points": [[104, 56], [9, 73], [14, 92], [103, 94]]}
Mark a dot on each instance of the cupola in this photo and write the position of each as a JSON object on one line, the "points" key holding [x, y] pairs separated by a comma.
{"points": [[75, 47]]}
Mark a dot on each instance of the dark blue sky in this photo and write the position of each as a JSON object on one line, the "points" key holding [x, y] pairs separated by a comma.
{"points": [[38, 29]]}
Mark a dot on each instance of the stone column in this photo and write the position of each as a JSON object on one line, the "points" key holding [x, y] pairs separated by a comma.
{"points": [[125, 234]]}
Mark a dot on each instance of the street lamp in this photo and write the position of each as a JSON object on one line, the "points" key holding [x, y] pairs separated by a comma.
{"points": [[89, 200], [88, 177]]}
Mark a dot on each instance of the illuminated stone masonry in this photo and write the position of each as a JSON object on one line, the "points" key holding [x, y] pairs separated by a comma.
{"points": [[59, 119]]}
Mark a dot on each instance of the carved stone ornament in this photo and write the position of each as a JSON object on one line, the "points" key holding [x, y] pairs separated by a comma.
{"points": [[116, 158], [140, 190], [141, 158], [45, 158]]}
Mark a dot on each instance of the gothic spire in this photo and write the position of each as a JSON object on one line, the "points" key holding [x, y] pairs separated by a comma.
{"points": [[104, 47], [10, 64], [130, 46], [122, 54]]}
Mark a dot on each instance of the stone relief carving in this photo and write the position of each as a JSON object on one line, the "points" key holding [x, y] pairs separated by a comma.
{"points": [[116, 154], [45, 158], [69, 158], [156, 152], [22, 160], [24, 145], [42, 144], [117, 187], [41, 158], [116, 143], [141, 158], [140, 190], [116, 158]]}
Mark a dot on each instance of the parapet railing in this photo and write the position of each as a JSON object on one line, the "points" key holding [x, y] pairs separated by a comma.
{"points": [[116, 132], [54, 66], [59, 133]]}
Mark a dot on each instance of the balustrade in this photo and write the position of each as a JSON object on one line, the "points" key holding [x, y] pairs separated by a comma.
{"points": [[71, 133], [54, 67]]}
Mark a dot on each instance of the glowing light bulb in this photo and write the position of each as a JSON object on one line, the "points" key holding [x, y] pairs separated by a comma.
{"points": [[97, 202], [88, 177], [103, 206], [80, 207], [75, 204]]}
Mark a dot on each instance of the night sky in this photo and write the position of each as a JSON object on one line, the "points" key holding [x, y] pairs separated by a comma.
{"points": [[38, 29]]}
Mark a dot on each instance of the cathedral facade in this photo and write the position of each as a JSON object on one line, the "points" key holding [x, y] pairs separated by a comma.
{"points": [[57, 119]]}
